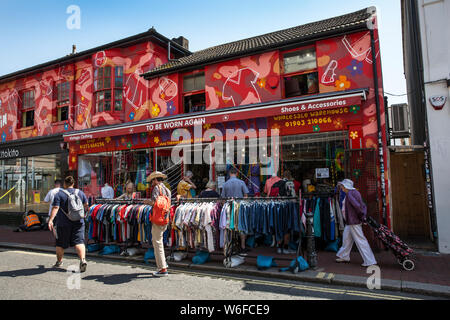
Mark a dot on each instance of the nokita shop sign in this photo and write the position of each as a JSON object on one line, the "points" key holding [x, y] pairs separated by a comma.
{"points": [[223, 115], [9, 154]]}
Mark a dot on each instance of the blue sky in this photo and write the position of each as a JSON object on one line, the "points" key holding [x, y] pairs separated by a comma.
{"points": [[33, 32]]}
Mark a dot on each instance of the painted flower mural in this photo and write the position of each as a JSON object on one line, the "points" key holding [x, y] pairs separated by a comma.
{"points": [[354, 109], [356, 67], [155, 110], [342, 83], [171, 109]]}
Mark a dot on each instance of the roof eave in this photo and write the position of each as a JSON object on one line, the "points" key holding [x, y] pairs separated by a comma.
{"points": [[353, 27], [71, 58]]}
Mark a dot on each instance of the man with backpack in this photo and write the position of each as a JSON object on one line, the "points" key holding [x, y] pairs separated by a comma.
{"points": [[67, 221], [161, 202]]}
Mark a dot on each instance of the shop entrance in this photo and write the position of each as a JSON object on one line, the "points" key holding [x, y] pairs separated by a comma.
{"points": [[192, 158], [410, 215]]}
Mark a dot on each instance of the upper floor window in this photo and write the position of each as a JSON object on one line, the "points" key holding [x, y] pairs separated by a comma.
{"points": [[300, 73], [63, 100], [108, 87], [27, 109], [194, 98]]}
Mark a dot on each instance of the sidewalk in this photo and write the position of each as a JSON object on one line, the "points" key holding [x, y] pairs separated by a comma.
{"points": [[431, 275]]}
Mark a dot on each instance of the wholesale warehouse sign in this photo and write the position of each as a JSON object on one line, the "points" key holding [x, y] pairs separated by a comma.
{"points": [[221, 116]]}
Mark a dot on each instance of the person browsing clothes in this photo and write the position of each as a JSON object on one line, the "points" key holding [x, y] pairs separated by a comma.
{"points": [[210, 191], [185, 185], [236, 188], [158, 188]]}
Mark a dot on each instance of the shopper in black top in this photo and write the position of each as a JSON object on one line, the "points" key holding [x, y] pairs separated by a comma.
{"points": [[68, 233], [210, 191]]}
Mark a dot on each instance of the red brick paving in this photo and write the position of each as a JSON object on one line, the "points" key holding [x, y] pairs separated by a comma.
{"points": [[430, 267]]}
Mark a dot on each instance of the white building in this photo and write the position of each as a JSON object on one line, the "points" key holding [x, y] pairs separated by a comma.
{"points": [[426, 42]]}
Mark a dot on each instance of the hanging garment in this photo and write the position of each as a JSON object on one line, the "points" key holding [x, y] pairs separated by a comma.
{"points": [[317, 221]]}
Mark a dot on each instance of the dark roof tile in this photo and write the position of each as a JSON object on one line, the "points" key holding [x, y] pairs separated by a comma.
{"points": [[273, 39]]}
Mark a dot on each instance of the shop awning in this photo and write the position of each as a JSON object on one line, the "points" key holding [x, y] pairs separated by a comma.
{"points": [[285, 107]]}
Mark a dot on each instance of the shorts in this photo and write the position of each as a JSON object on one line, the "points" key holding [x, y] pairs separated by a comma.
{"points": [[69, 235]]}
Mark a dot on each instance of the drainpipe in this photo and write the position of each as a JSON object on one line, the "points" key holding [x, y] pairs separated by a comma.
{"points": [[380, 135], [168, 52]]}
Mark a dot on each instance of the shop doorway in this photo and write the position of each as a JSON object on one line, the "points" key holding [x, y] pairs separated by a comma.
{"points": [[192, 158], [410, 214], [165, 164], [199, 160]]}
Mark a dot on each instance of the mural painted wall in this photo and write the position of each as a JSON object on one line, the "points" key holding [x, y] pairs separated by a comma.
{"points": [[347, 63], [137, 104], [248, 80]]}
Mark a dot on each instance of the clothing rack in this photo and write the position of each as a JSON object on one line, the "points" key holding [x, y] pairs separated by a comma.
{"points": [[318, 194], [119, 201], [238, 199], [229, 253]]}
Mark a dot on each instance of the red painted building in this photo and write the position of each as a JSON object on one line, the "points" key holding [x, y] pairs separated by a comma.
{"points": [[318, 86], [94, 88]]}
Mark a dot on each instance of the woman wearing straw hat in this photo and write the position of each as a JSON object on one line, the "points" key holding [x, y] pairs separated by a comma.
{"points": [[354, 211], [156, 180]]}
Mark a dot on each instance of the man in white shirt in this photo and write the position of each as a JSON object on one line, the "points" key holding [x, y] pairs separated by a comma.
{"points": [[51, 195], [107, 192]]}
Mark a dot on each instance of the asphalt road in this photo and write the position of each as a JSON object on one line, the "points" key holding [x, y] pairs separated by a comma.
{"points": [[29, 275]]}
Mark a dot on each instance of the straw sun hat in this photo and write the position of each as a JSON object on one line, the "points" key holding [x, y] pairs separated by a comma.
{"points": [[155, 175]]}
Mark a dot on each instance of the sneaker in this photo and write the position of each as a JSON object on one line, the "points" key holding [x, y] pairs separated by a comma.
{"points": [[58, 264], [161, 273], [83, 265], [244, 251], [273, 242], [279, 251], [338, 260], [289, 251]]}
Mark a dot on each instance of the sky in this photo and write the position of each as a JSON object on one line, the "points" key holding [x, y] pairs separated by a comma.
{"points": [[34, 32]]}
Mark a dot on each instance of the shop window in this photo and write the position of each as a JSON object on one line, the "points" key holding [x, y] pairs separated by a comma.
{"points": [[12, 185], [194, 99], [41, 176], [108, 87], [314, 160], [27, 109], [63, 101], [300, 73], [115, 168]]}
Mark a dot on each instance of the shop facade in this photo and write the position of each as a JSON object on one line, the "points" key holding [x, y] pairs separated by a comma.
{"points": [[96, 87], [314, 98], [28, 170]]}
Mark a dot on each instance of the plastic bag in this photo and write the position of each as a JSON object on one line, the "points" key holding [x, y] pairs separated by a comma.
{"points": [[333, 246], [234, 261], [149, 255], [201, 257], [110, 250], [93, 247], [178, 256], [302, 265], [264, 262]]}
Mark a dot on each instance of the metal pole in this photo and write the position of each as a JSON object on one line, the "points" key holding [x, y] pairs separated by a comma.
{"points": [[311, 254]]}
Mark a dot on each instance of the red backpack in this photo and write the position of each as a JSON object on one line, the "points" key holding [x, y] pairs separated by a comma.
{"points": [[160, 210]]}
